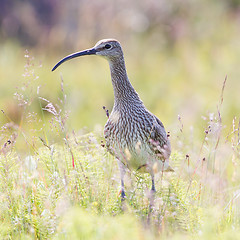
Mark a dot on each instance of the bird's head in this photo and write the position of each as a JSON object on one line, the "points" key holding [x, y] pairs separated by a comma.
{"points": [[108, 48]]}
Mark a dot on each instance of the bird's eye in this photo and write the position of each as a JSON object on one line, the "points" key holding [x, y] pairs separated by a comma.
{"points": [[107, 46]]}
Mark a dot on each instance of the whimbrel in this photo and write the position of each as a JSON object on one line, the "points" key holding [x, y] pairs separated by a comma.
{"points": [[134, 135]]}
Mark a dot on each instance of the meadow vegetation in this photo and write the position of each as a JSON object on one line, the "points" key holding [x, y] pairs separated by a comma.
{"points": [[59, 183], [57, 180]]}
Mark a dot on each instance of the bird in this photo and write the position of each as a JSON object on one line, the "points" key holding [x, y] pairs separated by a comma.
{"points": [[135, 136]]}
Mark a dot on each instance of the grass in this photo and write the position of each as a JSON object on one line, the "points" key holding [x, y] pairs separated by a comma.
{"points": [[56, 183]]}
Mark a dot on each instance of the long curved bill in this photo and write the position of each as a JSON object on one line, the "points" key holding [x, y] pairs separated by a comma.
{"points": [[91, 51]]}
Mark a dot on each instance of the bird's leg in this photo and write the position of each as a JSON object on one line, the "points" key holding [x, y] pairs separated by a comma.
{"points": [[122, 169], [152, 194], [123, 195], [151, 199], [153, 185]]}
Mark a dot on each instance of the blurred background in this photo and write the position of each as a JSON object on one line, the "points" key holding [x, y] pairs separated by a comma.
{"points": [[177, 55]]}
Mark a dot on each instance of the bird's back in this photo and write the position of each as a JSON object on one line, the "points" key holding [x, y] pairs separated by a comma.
{"points": [[137, 137]]}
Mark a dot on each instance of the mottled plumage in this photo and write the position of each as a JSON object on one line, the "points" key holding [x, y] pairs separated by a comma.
{"points": [[133, 135]]}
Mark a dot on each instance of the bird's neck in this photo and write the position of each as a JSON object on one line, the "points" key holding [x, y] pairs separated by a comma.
{"points": [[124, 93]]}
